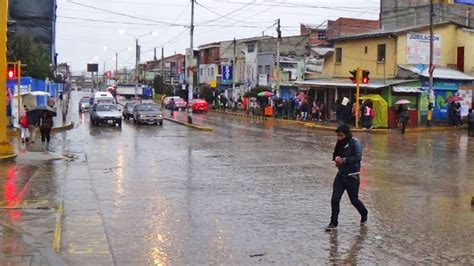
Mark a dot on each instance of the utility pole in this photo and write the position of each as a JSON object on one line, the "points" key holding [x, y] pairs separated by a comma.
{"points": [[191, 61], [234, 63], [431, 68], [358, 81], [162, 65], [6, 148], [278, 57], [116, 69], [137, 60]]}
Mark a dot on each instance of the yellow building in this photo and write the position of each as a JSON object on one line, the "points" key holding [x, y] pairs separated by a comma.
{"points": [[398, 61], [381, 51]]}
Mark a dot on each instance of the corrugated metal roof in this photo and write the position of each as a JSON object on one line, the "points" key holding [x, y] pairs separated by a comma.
{"points": [[346, 82], [407, 89], [439, 72], [322, 51]]}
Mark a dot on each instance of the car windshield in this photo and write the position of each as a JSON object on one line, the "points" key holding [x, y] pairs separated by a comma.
{"points": [[84, 100], [106, 108], [147, 107]]}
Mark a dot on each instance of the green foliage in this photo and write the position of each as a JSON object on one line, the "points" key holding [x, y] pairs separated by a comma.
{"points": [[206, 94], [160, 87], [33, 54]]}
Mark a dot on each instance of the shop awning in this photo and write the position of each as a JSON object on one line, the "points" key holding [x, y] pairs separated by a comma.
{"points": [[439, 72], [408, 89], [346, 83]]}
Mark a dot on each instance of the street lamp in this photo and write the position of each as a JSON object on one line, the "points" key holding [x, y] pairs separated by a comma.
{"points": [[116, 57], [137, 51]]}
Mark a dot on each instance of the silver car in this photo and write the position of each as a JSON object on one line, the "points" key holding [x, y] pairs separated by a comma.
{"points": [[105, 114], [147, 113], [84, 104]]}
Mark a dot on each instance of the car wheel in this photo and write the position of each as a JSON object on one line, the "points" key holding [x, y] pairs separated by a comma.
{"points": [[161, 123], [119, 123], [134, 121]]}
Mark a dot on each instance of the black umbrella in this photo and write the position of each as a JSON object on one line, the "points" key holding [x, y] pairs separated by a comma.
{"points": [[37, 111]]}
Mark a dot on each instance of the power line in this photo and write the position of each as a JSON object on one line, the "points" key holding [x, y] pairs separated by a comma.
{"points": [[123, 14]]}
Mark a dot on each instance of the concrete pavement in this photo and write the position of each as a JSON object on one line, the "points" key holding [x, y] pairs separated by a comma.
{"points": [[250, 192]]}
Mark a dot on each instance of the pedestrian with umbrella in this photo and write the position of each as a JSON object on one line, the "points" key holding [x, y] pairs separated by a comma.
{"points": [[402, 114], [470, 121], [45, 125]]}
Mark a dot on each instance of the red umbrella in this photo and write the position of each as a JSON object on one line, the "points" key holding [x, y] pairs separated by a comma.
{"points": [[454, 99]]}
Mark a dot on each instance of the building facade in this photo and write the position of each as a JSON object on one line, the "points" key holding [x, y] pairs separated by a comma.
{"points": [[406, 13]]}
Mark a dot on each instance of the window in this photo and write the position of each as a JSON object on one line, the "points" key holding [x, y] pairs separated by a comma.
{"points": [[381, 53], [339, 55], [212, 72], [366, 50], [260, 69], [200, 72], [250, 47], [267, 69], [322, 35]]}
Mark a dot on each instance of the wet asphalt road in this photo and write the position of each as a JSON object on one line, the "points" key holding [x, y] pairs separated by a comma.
{"points": [[256, 193]]}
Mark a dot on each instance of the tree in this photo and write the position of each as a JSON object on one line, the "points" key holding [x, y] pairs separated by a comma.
{"points": [[161, 87], [33, 54]]}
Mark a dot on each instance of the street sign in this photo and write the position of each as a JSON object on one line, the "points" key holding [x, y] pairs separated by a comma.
{"points": [[465, 2], [92, 67], [227, 74]]}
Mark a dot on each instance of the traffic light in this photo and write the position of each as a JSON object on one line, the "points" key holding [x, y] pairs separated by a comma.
{"points": [[354, 76], [11, 72], [365, 76]]}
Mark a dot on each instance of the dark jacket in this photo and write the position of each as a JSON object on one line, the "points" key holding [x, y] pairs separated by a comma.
{"points": [[351, 153], [470, 118]]}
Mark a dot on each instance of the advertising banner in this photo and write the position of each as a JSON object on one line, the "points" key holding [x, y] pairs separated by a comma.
{"points": [[418, 48]]}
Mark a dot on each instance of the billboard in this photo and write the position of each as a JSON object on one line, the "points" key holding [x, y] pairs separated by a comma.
{"points": [[418, 48], [464, 2], [92, 67]]}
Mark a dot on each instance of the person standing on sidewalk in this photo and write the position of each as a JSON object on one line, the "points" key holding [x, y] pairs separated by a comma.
{"points": [[172, 106], [25, 134], [470, 121], [347, 156], [45, 125]]}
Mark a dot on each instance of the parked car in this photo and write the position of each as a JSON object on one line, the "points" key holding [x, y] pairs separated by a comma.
{"points": [[168, 100], [148, 113], [200, 105], [84, 104], [180, 103], [105, 114], [128, 110]]}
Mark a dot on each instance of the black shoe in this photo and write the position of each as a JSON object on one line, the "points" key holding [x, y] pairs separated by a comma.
{"points": [[330, 227], [363, 219]]}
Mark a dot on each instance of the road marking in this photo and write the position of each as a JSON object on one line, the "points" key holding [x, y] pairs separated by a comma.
{"points": [[58, 229]]}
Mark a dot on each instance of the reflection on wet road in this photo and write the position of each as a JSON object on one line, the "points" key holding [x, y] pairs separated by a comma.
{"points": [[259, 193]]}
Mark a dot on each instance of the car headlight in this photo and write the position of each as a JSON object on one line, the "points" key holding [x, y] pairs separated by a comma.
{"points": [[142, 116], [160, 116]]}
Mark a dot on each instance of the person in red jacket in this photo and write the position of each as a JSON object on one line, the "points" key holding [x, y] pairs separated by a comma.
{"points": [[24, 123]]}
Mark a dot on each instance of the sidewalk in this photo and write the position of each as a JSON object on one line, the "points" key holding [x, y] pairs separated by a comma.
{"points": [[60, 124], [332, 126], [18, 248]]}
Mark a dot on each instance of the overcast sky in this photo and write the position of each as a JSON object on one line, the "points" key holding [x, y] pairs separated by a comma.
{"points": [[84, 27]]}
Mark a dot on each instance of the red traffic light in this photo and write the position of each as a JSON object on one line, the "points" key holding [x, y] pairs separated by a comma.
{"points": [[354, 76], [11, 72], [365, 76]]}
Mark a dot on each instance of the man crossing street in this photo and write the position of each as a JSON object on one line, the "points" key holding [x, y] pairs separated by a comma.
{"points": [[347, 156]]}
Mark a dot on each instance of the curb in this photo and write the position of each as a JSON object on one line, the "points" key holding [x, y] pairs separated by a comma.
{"points": [[208, 129], [8, 157], [66, 127], [47, 253], [331, 128], [69, 126]]}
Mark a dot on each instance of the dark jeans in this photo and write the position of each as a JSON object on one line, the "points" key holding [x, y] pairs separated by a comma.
{"points": [[45, 135], [351, 184], [471, 130]]}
